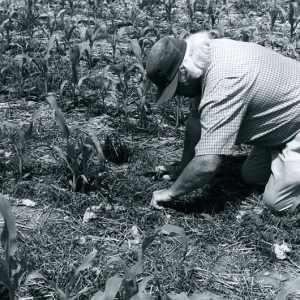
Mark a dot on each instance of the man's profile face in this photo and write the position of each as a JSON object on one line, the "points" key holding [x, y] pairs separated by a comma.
{"points": [[187, 85]]}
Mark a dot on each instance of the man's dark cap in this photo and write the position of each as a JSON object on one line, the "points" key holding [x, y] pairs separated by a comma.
{"points": [[162, 66]]}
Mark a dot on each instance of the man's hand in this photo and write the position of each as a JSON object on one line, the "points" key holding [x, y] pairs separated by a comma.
{"points": [[160, 197]]}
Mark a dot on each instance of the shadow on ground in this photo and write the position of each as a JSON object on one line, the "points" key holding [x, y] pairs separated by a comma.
{"points": [[227, 188]]}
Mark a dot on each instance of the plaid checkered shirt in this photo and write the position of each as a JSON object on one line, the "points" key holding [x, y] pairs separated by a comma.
{"points": [[250, 95]]}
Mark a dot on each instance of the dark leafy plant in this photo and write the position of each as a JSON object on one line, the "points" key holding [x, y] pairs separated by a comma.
{"points": [[79, 151]]}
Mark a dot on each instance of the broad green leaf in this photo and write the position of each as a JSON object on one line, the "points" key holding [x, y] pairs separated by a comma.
{"points": [[8, 236], [137, 50], [126, 270], [80, 81], [82, 33], [121, 32], [64, 157], [87, 262], [62, 86], [112, 286], [59, 116], [97, 145], [289, 288], [179, 231], [84, 47], [61, 295]]}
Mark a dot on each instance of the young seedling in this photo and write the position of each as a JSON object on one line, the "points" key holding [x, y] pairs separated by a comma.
{"points": [[68, 292], [43, 63], [115, 39], [79, 152], [144, 85], [133, 290], [123, 74]]}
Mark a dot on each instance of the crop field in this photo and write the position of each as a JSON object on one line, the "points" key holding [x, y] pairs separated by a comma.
{"points": [[81, 136]]}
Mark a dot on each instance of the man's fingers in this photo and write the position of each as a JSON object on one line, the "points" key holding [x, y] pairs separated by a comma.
{"points": [[155, 205]]}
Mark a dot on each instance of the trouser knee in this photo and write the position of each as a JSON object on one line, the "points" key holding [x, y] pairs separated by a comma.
{"points": [[277, 202]]}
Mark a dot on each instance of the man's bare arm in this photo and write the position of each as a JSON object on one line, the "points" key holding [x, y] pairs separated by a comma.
{"points": [[197, 173]]}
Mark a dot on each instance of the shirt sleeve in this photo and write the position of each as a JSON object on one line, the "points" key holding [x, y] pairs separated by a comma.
{"points": [[222, 108]]}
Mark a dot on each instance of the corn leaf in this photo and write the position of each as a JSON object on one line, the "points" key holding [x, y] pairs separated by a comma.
{"points": [[97, 145], [64, 157], [144, 283], [84, 47], [80, 81], [62, 86], [126, 270], [8, 236], [130, 287], [289, 288], [137, 50], [112, 286], [61, 295], [59, 116], [86, 263]]}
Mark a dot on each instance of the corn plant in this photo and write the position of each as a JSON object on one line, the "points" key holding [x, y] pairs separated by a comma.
{"points": [[106, 80], [133, 290], [28, 17], [19, 134], [115, 39], [10, 270], [168, 5], [68, 31], [124, 73], [211, 12], [76, 54], [66, 293], [42, 63], [79, 151], [144, 85]]}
